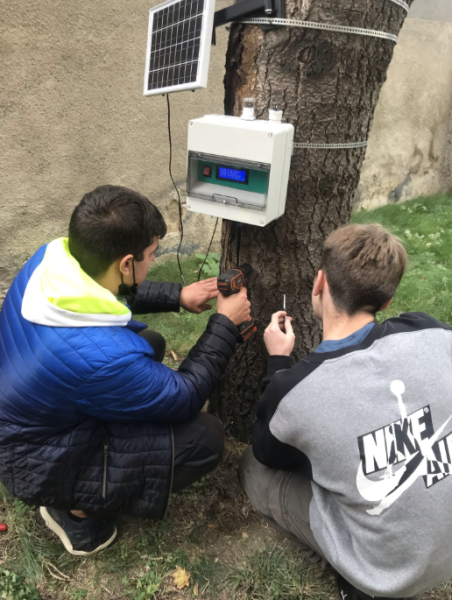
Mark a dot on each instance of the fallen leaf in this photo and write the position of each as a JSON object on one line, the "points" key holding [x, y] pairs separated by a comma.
{"points": [[211, 525], [196, 589], [181, 578], [245, 536], [173, 355]]}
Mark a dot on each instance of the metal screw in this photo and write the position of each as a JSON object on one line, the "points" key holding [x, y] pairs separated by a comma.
{"points": [[270, 135], [191, 123], [261, 222], [188, 206]]}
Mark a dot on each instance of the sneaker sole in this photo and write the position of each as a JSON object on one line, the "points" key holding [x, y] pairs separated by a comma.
{"points": [[59, 531]]}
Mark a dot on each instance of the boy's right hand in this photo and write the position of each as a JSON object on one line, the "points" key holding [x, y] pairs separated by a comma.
{"points": [[235, 307], [278, 342]]}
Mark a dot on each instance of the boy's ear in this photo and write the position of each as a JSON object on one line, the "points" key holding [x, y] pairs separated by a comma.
{"points": [[125, 264], [385, 306], [319, 283]]}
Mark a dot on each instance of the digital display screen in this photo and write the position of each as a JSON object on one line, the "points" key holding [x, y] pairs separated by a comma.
{"points": [[228, 174]]}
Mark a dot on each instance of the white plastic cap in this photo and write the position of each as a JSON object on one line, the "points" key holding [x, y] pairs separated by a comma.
{"points": [[275, 115], [248, 109]]}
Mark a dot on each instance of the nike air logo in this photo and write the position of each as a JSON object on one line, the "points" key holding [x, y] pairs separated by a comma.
{"points": [[410, 440]]}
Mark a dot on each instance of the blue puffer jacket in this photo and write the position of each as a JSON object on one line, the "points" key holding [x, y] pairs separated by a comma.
{"points": [[84, 408]]}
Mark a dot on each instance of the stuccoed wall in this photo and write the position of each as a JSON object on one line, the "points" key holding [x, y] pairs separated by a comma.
{"points": [[409, 145], [73, 117]]}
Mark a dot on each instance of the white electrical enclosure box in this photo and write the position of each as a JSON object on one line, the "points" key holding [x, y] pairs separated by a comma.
{"points": [[238, 169]]}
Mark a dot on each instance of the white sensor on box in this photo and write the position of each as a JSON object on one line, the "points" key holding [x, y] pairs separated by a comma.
{"points": [[238, 168]]}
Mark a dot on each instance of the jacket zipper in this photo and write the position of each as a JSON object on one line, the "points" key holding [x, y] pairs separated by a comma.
{"points": [[104, 479], [172, 472]]}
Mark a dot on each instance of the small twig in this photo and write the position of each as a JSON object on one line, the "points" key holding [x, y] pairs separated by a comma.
{"points": [[57, 570], [65, 579], [106, 589], [205, 587]]}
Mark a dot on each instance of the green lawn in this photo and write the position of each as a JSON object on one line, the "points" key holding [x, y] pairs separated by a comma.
{"points": [[181, 330], [425, 227], [211, 531]]}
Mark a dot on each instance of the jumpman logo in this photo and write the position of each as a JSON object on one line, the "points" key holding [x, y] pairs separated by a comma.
{"points": [[409, 439]]}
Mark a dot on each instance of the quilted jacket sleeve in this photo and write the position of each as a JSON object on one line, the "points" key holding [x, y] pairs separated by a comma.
{"points": [[136, 388], [153, 297]]}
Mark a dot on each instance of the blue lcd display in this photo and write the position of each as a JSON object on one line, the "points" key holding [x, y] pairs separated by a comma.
{"points": [[232, 174]]}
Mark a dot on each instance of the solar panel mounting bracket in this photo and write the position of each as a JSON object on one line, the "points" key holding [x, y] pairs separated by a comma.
{"points": [[246, 8]]}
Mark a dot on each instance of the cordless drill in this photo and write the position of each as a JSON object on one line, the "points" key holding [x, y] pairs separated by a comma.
{"points": [[231, 282]]}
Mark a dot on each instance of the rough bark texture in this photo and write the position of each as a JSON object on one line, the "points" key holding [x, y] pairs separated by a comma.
{"points": [[328, 85]]}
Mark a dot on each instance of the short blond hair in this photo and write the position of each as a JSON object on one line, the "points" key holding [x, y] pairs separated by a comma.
{"points": [[363, 265]]}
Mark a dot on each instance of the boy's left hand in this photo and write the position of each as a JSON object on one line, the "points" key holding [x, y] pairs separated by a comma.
{"points": [[194, 297]]}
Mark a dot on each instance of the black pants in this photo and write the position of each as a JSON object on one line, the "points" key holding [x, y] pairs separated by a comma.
{"points": [[199, 443]]}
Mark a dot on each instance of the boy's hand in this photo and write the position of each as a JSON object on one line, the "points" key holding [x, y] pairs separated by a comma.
{"points": [[276, 341], [235, 307], [194, 297]]}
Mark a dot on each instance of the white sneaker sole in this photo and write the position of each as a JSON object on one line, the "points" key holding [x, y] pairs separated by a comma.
{"points": [[53, 525]]}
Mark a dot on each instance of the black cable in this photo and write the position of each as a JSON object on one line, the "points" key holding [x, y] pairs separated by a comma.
{"points": [[175, 187], [208, 249], [239, 238]]}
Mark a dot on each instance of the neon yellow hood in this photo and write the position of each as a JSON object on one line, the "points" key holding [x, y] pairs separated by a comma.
{"points": [[60, 294]]}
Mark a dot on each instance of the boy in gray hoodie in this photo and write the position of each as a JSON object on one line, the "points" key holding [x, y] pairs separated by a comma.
{"points": [[352, 446]]}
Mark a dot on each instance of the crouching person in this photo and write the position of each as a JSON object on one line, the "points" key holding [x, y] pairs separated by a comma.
{"points": [[91, 422], [351, 450]]}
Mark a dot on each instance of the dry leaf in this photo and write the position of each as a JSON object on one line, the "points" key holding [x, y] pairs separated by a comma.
{"points": [[181, 578], [173, 355], [196, 589], [245, 536], [211, 525]]}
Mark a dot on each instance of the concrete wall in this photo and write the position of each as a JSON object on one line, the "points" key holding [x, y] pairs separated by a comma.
{"points": [[409, 145], [73, 117], [432, 10]]}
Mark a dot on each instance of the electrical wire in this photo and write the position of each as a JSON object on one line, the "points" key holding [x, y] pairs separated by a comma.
{"points": [[239, 238], [175, 187], [208, 249]]}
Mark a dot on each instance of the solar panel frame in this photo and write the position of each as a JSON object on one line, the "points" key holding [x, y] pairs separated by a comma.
{"points": [[178, 49]]}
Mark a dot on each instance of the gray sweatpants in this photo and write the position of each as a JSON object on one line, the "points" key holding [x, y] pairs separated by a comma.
{"points": [[282, 498]]}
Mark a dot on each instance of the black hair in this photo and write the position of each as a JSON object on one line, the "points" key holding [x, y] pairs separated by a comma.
{"points": [[109, 223]]}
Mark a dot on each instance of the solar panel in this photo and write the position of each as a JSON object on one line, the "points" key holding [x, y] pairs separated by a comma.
{"points": [[178, 50]]}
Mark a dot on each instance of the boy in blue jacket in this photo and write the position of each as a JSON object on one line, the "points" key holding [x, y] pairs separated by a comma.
{"points": [[91, 422]]}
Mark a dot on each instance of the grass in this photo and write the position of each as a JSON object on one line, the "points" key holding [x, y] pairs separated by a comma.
{"points": [[211, 530], [181, 330], [425, 227]]}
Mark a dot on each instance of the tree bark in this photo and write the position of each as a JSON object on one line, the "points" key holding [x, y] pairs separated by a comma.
{"points": [[327, 84]]}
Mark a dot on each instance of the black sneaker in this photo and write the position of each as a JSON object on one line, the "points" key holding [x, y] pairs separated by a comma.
{"points": [[82, 539], [348, 592]]}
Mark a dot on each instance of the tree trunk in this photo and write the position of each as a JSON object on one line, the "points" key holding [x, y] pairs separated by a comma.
{"points": [[327, 84]]}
